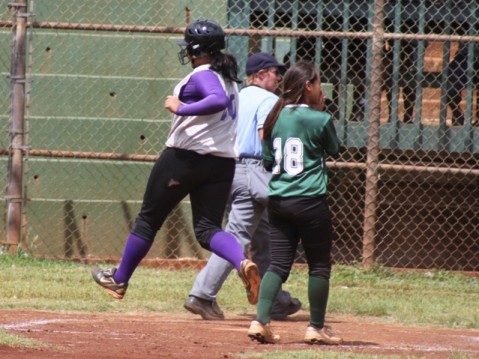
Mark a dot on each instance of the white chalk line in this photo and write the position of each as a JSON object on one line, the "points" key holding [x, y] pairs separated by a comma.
{"points": [[27, 327], [32, 323]]}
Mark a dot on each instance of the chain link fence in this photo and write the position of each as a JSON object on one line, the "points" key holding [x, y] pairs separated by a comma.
{"points": [[400, 77]]}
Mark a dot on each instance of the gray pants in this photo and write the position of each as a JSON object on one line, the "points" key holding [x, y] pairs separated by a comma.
{"points": [[248, 222]]}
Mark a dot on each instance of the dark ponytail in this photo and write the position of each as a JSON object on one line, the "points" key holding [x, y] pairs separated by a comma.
{"points": [[292, 91], [225, 64], [273, 117]]}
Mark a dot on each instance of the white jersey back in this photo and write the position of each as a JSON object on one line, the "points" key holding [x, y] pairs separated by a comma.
{"points": [[213, 134]]}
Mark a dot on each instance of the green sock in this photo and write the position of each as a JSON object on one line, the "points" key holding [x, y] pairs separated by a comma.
{"points": [[318, 292], [269, 288]]}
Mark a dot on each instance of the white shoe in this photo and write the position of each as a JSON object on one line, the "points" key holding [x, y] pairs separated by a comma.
{"points": [[262, 333], [324, 335]]}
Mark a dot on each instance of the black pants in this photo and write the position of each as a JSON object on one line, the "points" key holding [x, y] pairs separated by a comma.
{"points": [[305, 218], [177, 173]]}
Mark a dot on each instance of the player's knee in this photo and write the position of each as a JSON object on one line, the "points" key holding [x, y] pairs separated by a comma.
{"points": [[320, 271], [283, 272], [204, 235], [144, 230]]}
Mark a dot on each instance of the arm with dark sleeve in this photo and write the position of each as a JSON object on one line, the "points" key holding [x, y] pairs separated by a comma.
{"points": [[268, 155], [330, 139], [202, 95]]}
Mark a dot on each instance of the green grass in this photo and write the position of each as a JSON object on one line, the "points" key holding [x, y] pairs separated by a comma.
{"points": [[436, 298], [19, 342], [431, 298]]}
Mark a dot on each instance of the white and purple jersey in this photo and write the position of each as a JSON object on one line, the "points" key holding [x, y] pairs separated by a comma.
{"points": [[206, 121]]}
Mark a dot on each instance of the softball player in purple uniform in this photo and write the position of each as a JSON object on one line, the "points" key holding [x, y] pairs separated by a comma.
{"points": [[297, 136], [198, 161]]}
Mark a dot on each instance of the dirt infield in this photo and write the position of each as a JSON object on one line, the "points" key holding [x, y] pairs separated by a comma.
{"points": [[133, 335]]}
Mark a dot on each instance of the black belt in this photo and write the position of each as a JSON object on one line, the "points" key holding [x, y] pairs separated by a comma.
{"points": [[250, 158]]}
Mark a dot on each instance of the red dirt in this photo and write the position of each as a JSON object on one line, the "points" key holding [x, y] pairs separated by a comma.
{"points": [[134, 335]]}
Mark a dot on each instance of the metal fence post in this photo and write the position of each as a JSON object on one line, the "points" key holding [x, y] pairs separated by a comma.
{"points": [[371, 195], [16, 131]]}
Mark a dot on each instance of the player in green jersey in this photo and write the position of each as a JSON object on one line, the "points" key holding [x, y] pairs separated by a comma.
{"points": [[298, 135]]}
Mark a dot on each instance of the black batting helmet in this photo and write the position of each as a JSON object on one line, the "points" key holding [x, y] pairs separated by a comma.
{"points": [[202, 37]]}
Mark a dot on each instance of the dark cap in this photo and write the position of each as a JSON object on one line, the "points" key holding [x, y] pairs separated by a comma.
{"points": [[260, 61]]}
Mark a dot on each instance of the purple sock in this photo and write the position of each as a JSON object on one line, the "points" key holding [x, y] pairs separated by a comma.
{"points": [[227, 247], [136, 249]]}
